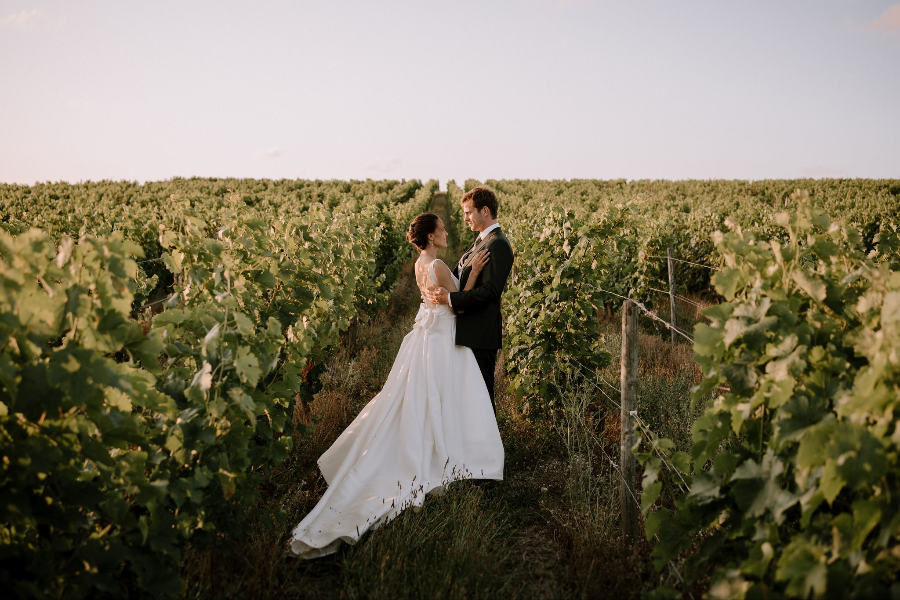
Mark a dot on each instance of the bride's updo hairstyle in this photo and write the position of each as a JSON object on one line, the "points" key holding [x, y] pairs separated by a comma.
{"points": [[420, 228]]}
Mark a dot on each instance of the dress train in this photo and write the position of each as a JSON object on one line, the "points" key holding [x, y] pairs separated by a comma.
{"points": [[431, 424]]}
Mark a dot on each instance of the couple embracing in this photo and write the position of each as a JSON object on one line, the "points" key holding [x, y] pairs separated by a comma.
{"points": [[433, 422]]}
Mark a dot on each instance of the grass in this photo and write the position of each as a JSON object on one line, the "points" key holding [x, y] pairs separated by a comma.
{"points": [[549, 530], [454, 548]]}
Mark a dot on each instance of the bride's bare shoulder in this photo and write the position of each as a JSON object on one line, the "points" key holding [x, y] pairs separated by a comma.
{"points": [[440, 265], [443, 275]]}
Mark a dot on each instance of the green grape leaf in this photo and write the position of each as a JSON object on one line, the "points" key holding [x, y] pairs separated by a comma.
{"points": [[247, 366]]}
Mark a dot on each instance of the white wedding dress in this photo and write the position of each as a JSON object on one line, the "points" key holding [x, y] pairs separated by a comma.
{"points": [[432, 423]]}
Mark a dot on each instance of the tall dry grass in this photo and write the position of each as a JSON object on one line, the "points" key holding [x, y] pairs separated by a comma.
{"points": [[581, 505]]}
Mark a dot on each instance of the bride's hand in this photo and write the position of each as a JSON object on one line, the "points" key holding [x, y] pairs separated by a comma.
{"points": [[478, 261]]}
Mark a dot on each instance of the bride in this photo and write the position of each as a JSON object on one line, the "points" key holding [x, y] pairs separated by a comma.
{"points": [[431, 424]]}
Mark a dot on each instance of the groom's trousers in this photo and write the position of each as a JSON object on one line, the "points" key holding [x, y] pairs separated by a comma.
{"points": [[487, 362]]}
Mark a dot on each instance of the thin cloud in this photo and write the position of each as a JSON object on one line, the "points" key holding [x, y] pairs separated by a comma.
{"points": [[273, 153], [888, 21], [385, 165], [22, 19]]}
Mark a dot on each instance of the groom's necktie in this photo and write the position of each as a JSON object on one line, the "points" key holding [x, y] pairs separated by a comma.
{"points": [[468, 254]]}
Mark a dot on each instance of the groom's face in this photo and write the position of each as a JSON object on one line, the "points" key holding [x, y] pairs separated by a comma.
{"points": [[476, 219]]}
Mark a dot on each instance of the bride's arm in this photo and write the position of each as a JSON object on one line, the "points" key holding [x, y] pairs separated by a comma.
{"points": [[478, 262], [443, 276]]}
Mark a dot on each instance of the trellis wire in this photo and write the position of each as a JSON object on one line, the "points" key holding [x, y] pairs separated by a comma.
{"points": [[647, 312], [616, 466], [641, 423], [588, 371], [682, 298], [649, 433], [683, 261]]}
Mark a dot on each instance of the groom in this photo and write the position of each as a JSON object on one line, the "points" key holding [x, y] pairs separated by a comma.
{"points": [[478, 320]]}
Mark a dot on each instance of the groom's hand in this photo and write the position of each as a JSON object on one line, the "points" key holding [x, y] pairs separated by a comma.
{"points": [[438, 295]]}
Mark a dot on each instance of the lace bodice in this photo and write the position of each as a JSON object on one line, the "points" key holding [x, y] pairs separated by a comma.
{"points": [[431, 279]]}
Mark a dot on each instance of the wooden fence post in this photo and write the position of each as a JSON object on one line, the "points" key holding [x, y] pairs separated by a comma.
{"points": [[627, 493], [672, 292]]}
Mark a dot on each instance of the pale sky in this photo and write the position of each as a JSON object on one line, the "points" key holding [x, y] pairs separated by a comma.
{"points": [[453, 89]]}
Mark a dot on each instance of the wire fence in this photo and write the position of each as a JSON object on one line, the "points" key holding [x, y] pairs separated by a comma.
{"points": [[600, 389], [683, 261], [588, 375], [682, 298], [595, 380], [647, 312]]}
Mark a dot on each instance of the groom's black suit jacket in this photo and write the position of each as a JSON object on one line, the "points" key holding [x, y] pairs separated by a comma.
{"points": [[479, 324]]}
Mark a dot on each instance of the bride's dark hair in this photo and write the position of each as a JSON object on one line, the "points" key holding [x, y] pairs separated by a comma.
{"points": [[420, 228]]}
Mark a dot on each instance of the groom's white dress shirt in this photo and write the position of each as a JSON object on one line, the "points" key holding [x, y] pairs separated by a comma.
{"points": [[484, 233], [481, 236]]}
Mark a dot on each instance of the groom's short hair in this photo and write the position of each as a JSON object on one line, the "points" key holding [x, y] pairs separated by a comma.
{"points": [[482, 196]]}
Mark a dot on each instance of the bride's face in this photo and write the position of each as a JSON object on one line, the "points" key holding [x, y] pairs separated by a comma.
{"points": [[439, 237]]}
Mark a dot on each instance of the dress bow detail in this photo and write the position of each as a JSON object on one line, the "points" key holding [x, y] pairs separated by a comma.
{"points": [[426, 317]]}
